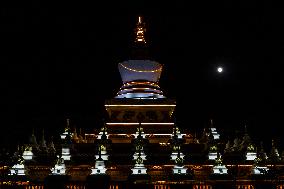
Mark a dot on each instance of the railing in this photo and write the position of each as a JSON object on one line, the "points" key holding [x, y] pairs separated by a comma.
{"points": [[245, 187], [76, 186], [34, 187], [161, 186], [202, 186]]}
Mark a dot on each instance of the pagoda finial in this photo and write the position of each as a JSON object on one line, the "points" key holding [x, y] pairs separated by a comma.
{"points": [[140, 31], [43, 139], [18, 148], [67, 128], [211, 122], [246, 129], [43, 142]]}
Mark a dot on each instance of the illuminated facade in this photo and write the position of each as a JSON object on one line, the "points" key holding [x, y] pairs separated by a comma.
{"points": [[141, 146]]}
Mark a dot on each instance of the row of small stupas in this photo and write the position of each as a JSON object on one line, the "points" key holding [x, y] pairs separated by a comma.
{"points": [[182, 151]]}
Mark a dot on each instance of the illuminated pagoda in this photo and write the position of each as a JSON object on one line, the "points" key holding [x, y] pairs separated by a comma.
{"points": [[213, 130], [219, 167], [140, 99], [100, 165], [28, 154], [179, 166], [19, 167], [67, 130], [59, 168], [140, 146]]}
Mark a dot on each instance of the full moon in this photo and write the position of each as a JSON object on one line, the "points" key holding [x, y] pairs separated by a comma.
{"points": [[220, 69]]}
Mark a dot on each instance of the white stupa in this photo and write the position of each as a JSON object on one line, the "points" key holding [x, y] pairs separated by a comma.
{"points": [[176, 151], [104, 154], [99, 166], [219, 167], [139, 132], [59, 168], [67, 130], [212, 155], [139, 167], [213, 130], [139, 152], [18, 168], [179, 167], [251, 153], [259, 169], [28, 154], [65, 154]]}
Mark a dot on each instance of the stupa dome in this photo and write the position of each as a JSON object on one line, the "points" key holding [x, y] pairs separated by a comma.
{"points": [[140, 70]]}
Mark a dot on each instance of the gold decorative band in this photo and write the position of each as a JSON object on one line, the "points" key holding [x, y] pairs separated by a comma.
{"points": [[134, 70]]}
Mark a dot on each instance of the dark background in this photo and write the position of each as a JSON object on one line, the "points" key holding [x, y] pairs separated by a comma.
{"points": [[60, 61]]}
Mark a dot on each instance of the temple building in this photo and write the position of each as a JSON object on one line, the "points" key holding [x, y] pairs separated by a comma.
{"points": [[140, 145]]}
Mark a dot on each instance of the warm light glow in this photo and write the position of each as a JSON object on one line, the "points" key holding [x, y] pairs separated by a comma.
{"points": [[140, 31], [157, 167], [139, 105], [141, 123], [135, 70], [220, 69], [140, 83]]}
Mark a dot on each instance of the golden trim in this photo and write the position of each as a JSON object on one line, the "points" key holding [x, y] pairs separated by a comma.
{"points": [[147, 71]]}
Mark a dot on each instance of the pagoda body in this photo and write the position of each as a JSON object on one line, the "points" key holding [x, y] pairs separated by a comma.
{"points": [[140, 99]]}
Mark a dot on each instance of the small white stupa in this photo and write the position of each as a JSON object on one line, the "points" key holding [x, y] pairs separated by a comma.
{"points": [[59, 168], [99, 166], [18, 168], [175, 152], [179, 167], [177, 133], [176, 146], [67, 130], [251, 153], [139, 132], [213, 130], [28, 154], [103, 151], [259, 169], [219, 167], [139, 149], [139, 167], [139, 144], [212, 155], [66, 153]]}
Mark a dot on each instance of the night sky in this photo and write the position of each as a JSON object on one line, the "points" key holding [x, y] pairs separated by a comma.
{"points": [[60, 61]]}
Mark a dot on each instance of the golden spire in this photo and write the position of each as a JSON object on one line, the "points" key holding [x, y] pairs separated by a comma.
{"points": [[140, 31]]}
